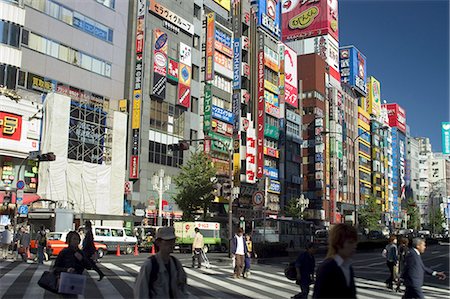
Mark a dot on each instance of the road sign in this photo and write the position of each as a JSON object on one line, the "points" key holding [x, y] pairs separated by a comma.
{"points": [[258, 198], [19, 196], [23, 210], [20, 185]]}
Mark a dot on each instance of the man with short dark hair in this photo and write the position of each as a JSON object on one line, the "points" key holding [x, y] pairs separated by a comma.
{"points": [[197, 247], [413, 274], [239, 250], [305, 266]]}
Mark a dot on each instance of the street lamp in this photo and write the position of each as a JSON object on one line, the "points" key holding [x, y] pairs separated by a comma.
{"points": [[355, 153], [161, 184], [303, 203]]}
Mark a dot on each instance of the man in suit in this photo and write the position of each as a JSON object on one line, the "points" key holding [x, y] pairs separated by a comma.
{"points": [[335, 277], [414, 271]]}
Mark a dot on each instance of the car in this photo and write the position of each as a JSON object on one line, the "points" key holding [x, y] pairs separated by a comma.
{"points": [[321, 237], [376, 235], [56, 241]]}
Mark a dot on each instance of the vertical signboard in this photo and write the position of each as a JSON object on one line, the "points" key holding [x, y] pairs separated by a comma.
{"points": [[303, 19], [237, 64], [260, 108], [446, 138], [159, 63], [250, 160], [184, 76], [281, 81], [137, 92], [353, 69], [374, 97], [210, 36], [290, 80], [207, 108], [269, 16]]}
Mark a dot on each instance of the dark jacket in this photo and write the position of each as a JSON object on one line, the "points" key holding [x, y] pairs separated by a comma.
{"points": [[331, 283], [414, 271], [234, 245], [307, 263], [88, 244], [66, 259]]}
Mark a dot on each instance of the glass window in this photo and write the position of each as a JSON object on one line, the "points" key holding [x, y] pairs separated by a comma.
{"points": [[66, 16], [117, 232], [52, 49], [194, 105], [14, 35], [107, 3], [196, 41], [37, 43], [4, 28], [86, 62], [107, 72], [63, 53], [97, 66], [52, 9], [37, 4], [197, 11], [195, 72]]}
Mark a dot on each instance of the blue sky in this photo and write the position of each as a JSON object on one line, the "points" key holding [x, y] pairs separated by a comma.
{"points": [[407, 48]]}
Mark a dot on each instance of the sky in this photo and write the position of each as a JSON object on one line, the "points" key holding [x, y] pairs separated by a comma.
{"points": [[406, 43]]}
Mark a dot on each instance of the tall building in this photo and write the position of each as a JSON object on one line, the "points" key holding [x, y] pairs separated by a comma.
{"points": [[413, 168], [83, 65], [425, 154]]}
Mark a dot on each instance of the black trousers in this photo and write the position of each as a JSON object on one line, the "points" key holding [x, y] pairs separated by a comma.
{"points": [[197, 256], [390, 279], [413, 293]]}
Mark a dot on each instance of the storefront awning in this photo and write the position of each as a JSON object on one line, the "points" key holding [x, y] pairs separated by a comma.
{"points": [[27, 197]]}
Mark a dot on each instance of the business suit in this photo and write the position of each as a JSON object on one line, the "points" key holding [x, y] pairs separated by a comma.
{"points": [[331, 282], [413, 275]]}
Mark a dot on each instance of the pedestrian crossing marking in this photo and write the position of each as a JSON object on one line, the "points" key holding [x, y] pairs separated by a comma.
{"points": [[124, 275], [10, 277]]}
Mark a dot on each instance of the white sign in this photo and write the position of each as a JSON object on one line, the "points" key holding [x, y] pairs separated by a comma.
{"points": [[171, 16], [185, 54]]}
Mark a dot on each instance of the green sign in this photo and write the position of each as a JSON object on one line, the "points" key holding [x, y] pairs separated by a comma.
{"points": [[446, 138], [271, 131], [207, 109], [219, 146]]}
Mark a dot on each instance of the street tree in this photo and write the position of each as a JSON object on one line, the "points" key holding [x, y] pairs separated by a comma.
{"points": [[413, 213], [293, 208], [369, 216], [195, 186], [436, 220]]}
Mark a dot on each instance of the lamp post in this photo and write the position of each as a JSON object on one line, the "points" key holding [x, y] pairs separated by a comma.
{"points": [[161, 184], [302, 203], [355, 154]]}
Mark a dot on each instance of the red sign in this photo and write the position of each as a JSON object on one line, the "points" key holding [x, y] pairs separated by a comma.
{"points": [[140, 35], [134, 167], [222, 127], [10, 126], [396, 116], [303, 19], [184, 95], [260, 111], [173, 70]]}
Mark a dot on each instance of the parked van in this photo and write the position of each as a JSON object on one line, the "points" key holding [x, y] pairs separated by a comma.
{"points": [[113, 236]]}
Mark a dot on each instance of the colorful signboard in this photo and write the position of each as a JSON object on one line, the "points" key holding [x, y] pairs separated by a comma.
{"points": [[271, 131], [185, 54], [237, 64], [172, 72], [236, 106], [271, 59], [224, 3], [269, 16], [290, 77], [207, 108], [222, 127], [303, 19], [134, 167], [396, 116], [374, 97], [184, 75], [271, 172], [184, 95], [170, 16], [250, 158], [10, 126], [353, 69], [159, 63], [274, 187], [445, 126], [210, 32], [222, 146], [223, 60], [222, 114], [260, 107]]}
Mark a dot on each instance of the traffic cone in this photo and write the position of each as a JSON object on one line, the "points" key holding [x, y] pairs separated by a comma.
{"points": [[118, 250], [136, 251], [153, 248]]}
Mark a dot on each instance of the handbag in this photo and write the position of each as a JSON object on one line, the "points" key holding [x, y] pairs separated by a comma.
{"points": [[290, 272], [49, 281], [71, 283], [21, 250]]}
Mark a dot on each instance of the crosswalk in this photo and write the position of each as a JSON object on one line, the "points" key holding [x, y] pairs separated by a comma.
{"points": [[19, 280]]}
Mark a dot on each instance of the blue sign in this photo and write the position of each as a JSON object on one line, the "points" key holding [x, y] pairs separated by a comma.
{"points": [[446, 138], [274, 187], [269, 16], [237, 64], [353, 68], [271, 172], [91, 28], [20, 185], [222, 114], [23, 210], [223, 37]]}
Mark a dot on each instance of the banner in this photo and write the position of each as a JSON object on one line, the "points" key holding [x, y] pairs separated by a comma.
{"points": [[207, 107], [260, 108], [290, 78], [172, 73], [210, 32], [184, 95], [446, 138], [159, 63]]}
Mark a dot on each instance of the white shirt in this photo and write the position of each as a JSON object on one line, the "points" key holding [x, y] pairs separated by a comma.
{"points": [[345, 267], [240, 245]]}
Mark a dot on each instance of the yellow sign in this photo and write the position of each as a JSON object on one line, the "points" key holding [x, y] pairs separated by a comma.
{"points": [[374, 96], [136, 115], [224, 3], [123, 105], [271, 87]]}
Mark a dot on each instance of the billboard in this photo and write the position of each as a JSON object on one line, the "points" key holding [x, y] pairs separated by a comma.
{"points": [[374, 97], [269, 16], [303, 19], [396, 116], [10, 126], [224, 3], [210, 37], [353, 69], [445, 138], [159, 63], [207, 107], [250, 158], [260, 108], [172, 72], [290, 77]]}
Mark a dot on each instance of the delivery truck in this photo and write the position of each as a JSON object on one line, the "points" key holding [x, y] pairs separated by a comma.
{"points": [[185, 233]]}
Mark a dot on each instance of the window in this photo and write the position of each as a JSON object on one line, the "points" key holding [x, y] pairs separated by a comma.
{"points": [[197, 11], [66, 16], [52, 49], [107, 3], [193, 134], [63, 53], [37, 43], [117, 232], [52, 9], [195, 73], [194, 105], [196, 41], [221, 103], [271, 76], [159, 154], [86, 61], [222, 83], [9, 34], [8, 76]]}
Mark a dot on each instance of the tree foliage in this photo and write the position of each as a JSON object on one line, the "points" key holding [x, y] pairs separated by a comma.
{"points": [[436, 220], [369, 216], [194, 186], [293, 209], [413, 213]]}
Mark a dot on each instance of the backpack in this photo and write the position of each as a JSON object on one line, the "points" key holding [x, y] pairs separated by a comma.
{"points": [[290, 272], [155, 270]]}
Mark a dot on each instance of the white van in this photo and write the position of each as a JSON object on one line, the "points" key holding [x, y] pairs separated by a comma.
{"points": [[113, 236]]}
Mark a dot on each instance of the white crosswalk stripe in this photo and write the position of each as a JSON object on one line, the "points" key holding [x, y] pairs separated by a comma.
{"points": [[215, 282]]}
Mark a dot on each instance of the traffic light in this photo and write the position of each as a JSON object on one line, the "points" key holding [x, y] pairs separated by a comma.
{"points": [[46, 157], [180, 146]]}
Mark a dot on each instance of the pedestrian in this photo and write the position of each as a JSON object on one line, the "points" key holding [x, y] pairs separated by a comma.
{"points": [[162, 275], [25, 240], [7, 239], [248, 256], [16, 243], [41, 241], [413, 273], [391, 260], [402, 252], [335, 276], [197, 247], [89, 249], [71, 259], [239, 250], [305, 266]]}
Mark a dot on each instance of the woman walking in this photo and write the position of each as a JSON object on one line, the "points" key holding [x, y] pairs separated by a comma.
{"points": [[89, 249]]}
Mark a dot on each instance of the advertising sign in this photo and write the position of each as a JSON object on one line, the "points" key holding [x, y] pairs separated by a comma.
{"points": [[274, 187], [272, 110], [290, 78], [224, 3], [271, 172], [260, 108], [218, 46], [445, 138], [396, 116], [219, 146], [237, 64], [207, 107], [271, 98], [159, 86], [210, 32], [236, 106], [250, 158], [134, 167], [272, 152], [222, 114], [303, 19], [223, 37], [10, 126], [269, 16], [184, 75], [374, 97], [271, 59], [271, 131], [353, 69], [223, 60], [172, 72], [222, 127], [140, 25], [170, 16], [185, 54], [136, 110], [184, 95]]}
